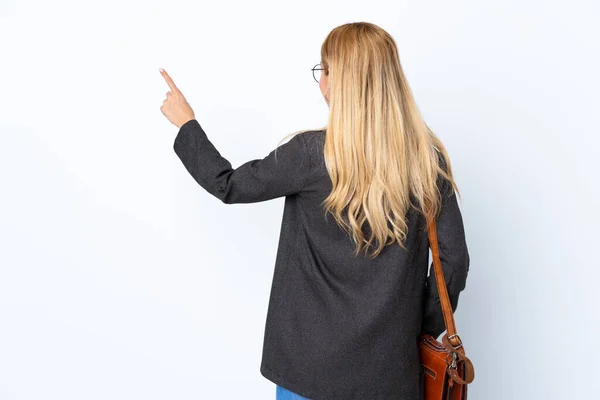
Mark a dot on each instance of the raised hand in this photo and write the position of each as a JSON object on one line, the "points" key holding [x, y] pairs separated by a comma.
{"points": [[175, 107]]}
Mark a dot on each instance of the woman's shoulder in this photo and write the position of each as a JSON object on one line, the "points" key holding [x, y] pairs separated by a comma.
{"points": [[314, 138], [312, 133]]}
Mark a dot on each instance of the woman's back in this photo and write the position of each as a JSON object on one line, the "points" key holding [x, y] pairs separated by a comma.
{"points": [[341, 326]]}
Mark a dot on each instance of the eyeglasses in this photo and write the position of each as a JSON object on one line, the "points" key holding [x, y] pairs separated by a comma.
{"points": [[317, 72]]}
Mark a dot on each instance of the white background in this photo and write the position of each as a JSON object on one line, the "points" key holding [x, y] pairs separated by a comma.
{"points": [[121, 278]]}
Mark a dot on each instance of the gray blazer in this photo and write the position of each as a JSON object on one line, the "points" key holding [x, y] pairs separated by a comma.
{"points": [[337, 326]]}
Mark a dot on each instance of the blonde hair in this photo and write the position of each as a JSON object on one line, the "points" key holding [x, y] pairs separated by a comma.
{"points": [[378, 149]]}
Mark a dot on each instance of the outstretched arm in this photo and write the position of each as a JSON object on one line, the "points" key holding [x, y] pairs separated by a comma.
{"points": [[282, 172]]}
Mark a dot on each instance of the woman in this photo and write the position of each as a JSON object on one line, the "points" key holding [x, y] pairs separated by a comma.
{"points": [[350, 294]]}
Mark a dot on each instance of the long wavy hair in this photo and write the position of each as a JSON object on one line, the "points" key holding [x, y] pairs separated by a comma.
{"points": [[379, 152]]}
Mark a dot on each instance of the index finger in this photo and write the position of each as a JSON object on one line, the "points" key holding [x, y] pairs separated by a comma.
{"points": [[168, 79]]}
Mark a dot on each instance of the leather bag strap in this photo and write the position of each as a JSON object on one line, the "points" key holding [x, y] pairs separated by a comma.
{"points": [[441, 285], [450, 340]]}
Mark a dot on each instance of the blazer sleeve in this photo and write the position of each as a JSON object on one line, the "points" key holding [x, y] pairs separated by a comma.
{"points": [[282, 172], [454, 257]]}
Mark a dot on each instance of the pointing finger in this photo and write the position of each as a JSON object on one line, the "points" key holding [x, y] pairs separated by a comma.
{"points": [[169, 80]]}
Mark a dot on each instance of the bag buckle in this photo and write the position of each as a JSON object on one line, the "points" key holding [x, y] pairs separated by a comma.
{"points": [[459, 341]]}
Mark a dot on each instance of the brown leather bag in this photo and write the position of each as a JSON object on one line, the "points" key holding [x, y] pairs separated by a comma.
{"points": [[447, 369]]}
